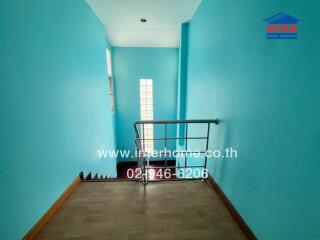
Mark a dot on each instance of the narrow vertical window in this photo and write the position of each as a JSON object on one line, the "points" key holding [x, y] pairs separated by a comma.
{"points": [[146, 110], [110, 80]]}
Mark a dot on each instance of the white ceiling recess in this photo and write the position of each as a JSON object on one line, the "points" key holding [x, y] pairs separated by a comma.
{"points": [[121, 19]]}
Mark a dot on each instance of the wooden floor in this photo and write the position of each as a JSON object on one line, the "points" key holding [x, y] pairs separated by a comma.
{"points": [[185, 210]]}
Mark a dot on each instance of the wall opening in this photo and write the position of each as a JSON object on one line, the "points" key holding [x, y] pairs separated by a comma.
{"points": [[110, 80]]}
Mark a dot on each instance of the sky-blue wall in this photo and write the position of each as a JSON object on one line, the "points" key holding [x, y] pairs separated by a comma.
{"points": [[129, 66], [54, 105], [267, 95]]}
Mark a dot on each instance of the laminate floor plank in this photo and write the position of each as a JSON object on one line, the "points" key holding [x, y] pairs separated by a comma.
{"points": [[175, 210]]}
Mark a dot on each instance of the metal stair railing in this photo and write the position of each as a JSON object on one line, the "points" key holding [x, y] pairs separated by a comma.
{"points": [[140, 143]]}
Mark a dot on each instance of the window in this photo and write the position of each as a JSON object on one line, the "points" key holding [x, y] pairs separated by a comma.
{"points": [[111, 94], [146, 110], [109, 68]]}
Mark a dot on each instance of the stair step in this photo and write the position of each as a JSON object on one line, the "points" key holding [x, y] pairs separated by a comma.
{"points": [[102, 178], [88, 177]]}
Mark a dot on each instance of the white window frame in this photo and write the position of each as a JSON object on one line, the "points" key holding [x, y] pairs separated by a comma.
{"points": [[146, 113], [110, 80]]}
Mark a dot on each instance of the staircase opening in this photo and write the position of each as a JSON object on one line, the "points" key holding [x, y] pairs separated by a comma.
{"points": [[186, 167]]}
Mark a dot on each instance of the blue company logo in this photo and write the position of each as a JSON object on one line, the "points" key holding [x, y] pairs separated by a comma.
{"points": [[282, 26]]}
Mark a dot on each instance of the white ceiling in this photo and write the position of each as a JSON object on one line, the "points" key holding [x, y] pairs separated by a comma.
{"points": [[121, 19]]}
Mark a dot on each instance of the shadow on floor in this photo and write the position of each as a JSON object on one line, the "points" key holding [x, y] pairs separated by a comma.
{"points": [[126, 169]]}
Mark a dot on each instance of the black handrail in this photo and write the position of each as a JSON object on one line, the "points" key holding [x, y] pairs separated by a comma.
{"points": [[140, 147]]}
